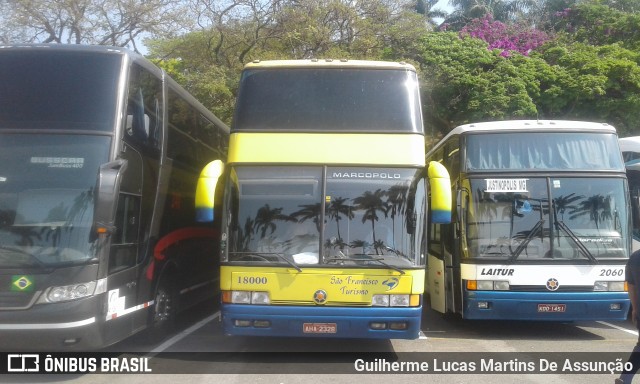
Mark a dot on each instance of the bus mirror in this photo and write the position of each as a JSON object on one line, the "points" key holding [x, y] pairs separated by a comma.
{"points": [[440, 193], [106, 195], [206, 190]]}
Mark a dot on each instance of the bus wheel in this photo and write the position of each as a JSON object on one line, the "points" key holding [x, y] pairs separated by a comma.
{"points": [[163, 315]]}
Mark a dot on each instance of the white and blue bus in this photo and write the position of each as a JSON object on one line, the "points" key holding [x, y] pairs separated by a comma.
{"points": [[100, 153], [541, 223]]}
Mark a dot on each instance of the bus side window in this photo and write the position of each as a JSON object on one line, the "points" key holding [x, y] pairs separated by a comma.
{"points": [[208, 134], [452, 156], [143, 122], [183, 132]]}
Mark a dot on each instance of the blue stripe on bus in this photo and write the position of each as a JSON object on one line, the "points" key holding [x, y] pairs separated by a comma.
{"points": [[580, 306], [204, 215], [350, 322], [443, 217]]}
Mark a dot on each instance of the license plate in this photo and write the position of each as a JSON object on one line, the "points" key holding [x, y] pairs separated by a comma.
{"points": [[319, 328], [552, 307]]}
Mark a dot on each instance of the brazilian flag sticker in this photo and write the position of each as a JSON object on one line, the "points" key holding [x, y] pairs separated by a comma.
{"points": [[21, 283]]}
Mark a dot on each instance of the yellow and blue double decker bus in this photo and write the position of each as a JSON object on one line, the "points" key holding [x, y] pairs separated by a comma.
{"points": [[325, 201]]}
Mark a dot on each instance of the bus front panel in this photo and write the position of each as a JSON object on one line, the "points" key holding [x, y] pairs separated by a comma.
{"points": [[335, 245]]}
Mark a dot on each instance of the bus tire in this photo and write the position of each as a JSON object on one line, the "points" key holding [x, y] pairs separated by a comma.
{"points": [[163, 315]]}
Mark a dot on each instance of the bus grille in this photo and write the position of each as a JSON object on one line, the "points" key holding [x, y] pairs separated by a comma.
{"points": [[542, 288], [16, 300], [328, 304]]}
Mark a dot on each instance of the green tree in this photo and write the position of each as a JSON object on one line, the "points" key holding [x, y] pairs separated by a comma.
{"points": [[586, 82], [465, 82], [502, 10], [119, 23], [599, 22]]}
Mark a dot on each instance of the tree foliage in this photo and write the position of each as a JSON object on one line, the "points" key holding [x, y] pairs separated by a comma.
{"points": [[463, 82], [509, 38], [587, 68], [102, 22]]}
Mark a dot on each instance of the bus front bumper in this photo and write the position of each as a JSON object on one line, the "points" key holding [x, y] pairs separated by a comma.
{"points": [[546, 306], [67, 326], [335, 322]]}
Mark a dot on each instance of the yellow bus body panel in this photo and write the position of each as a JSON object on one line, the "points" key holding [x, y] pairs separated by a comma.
{"points": [[348, 286], [322, 148]]}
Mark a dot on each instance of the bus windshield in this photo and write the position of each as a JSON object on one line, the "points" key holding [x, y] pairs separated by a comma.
{"points": [[330, 99], [44, 89], [543, 150], [371, 216], [563, 219], [46, 198]]}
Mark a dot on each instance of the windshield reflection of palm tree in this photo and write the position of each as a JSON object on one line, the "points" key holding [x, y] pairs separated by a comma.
{"points": [[372, 203], [486, 208], [598, 207], [308, 212], [360, 244], [562, 204], [266, 218], [397, 200], [243, 241], [335, 210], [54, 215], [27, 235], [299, 237]]}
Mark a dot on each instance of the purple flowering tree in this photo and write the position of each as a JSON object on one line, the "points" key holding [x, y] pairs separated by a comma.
{"points": [[508, 38]]}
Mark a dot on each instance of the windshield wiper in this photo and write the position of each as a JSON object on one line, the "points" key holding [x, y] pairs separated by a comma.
{"points": [[379, 260], [526, 241], [577, 241], [277, 254]]}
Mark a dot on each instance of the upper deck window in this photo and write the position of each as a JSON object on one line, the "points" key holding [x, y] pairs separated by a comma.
{"points": [[328, 100], [44, 89], [543, 150]]}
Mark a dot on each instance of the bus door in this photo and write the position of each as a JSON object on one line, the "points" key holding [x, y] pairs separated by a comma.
{"points": [[124, 313], [445, 247], [436, 271]]}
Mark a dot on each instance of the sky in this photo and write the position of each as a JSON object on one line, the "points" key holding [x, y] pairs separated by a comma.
{"points": [[443, 4]]}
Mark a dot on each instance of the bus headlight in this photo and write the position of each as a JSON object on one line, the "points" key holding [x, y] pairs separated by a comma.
{"points": [[380, 300], [260, 298], [399, 300], [241, 297], [395, 300], [70, 292], [246, 297], [609, 286], [501, 285], [487, 285]]}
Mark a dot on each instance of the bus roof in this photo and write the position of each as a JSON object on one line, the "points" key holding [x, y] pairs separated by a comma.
{"points": [[630, 144], [69, 47], [529, 125], [329, 63]]}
